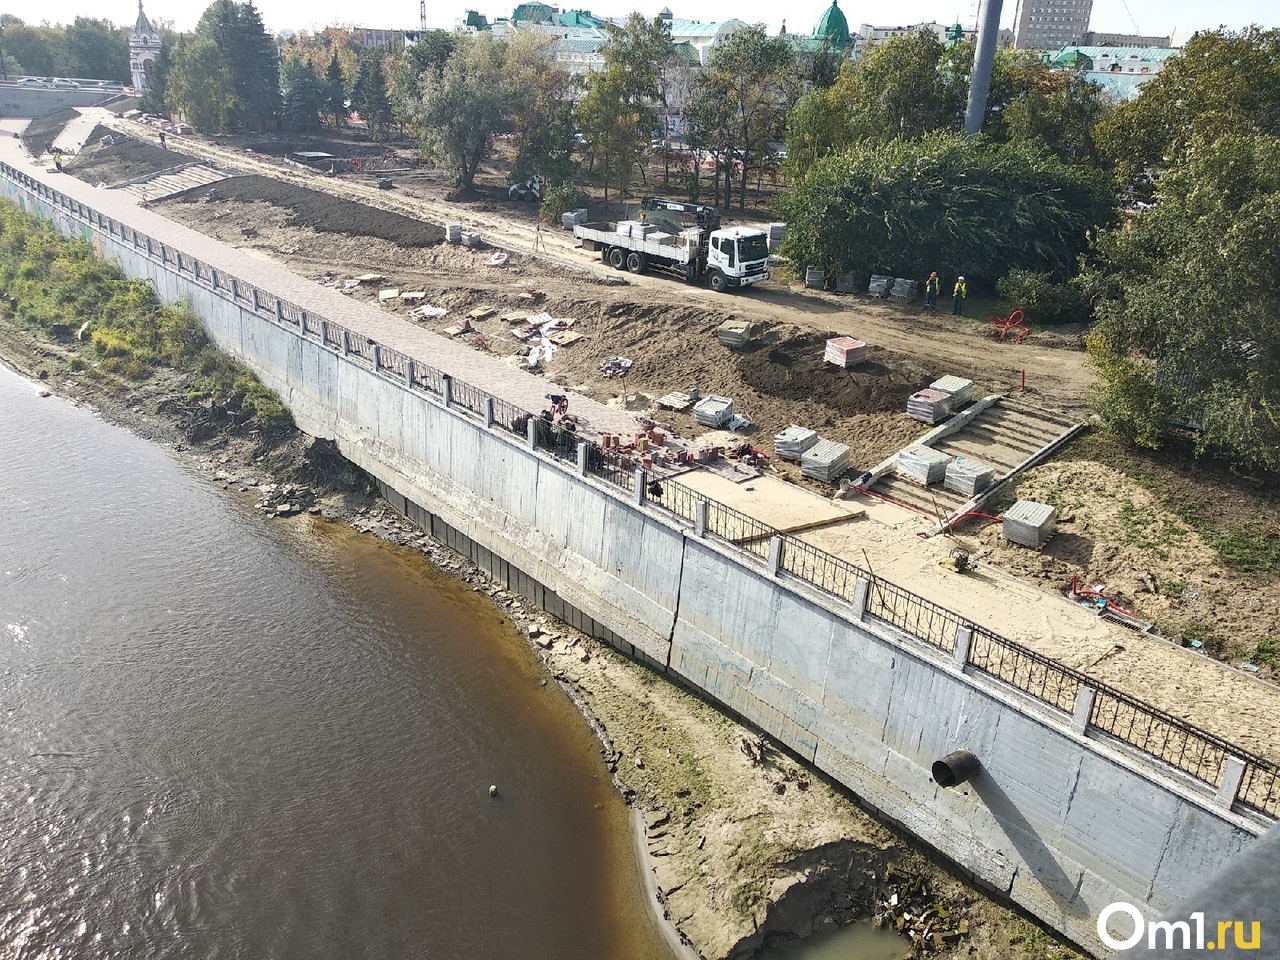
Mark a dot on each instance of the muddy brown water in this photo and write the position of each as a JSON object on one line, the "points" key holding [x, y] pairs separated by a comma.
{"points": [[230, 738]]}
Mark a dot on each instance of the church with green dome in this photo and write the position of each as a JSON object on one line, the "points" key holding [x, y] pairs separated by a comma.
{"points": [[833, 28]]}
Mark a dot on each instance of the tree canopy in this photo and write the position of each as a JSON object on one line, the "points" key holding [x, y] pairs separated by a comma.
{"points": [[1187, 322], [200, 85], [250, 55], [946, 203]]}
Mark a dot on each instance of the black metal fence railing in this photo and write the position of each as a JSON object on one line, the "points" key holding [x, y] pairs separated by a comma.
{"points": [[919, 617], [1157, 734], [1029, 671], [833, 574]]}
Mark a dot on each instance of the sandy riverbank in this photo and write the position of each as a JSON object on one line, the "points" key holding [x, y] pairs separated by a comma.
{"points": [[745, 846]]}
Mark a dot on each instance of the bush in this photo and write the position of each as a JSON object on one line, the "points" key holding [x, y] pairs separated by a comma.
{"points": [[560, 200], [1042, 300]]}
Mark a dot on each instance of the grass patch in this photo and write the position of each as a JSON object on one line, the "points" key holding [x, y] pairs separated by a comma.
{"points": [[55, 284]]}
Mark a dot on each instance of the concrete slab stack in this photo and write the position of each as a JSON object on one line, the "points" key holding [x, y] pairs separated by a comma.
{"points": [[825, 460], [958, 388], [880, 286], [1029, 523], [922, 464], [735, 333], [845, 352], [929, 406], [791, 443], [904, 290], [713, 411], [968, 476]]}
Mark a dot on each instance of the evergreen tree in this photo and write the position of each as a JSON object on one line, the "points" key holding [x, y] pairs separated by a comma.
{"points": [[335, 92], [250, 53], [370, 98], [302, 95], [200, 86], [154, 100]]}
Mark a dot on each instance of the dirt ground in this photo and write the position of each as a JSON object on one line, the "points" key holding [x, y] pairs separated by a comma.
{"points": [[125, 159], [45, 130]]}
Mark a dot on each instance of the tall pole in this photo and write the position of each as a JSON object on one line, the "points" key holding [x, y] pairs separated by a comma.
{"points": [[422, 13], [980, 85]]}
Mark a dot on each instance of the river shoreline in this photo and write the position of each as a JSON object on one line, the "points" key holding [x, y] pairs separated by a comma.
{"points": [[743, 846]]}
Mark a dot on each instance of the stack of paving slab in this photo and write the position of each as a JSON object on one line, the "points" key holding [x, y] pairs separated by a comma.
{"points": [[815, 278], [845, 352], [734, 333], [922, 464], [713, 411], [929, 406], [968, 476], [1029, 523], [846, 283], [880, 286], [825, 460], [573, 218], [958, 388], [903, 290], [792, 442], [777, 232], [453, 232]]}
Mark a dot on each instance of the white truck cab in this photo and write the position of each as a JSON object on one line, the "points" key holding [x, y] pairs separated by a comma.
{"points": [[737, 258]]}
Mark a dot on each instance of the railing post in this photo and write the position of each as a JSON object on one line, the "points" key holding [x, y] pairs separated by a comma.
{"points": [[253, 291], [637, 491], [446, 389], [582, 458], [860, 590], [376, 355], [700, 508], [213, 277], [488, 411], [302, 322], [1232, 775], [279, 311], [964, 639], [346, 342], [408, 371], [532, 428], [775, 555], [235, 289], [324, 326], [1083, 709]]}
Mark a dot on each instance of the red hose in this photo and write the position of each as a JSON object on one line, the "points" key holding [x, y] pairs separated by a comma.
{"points": [[1076, 592]]}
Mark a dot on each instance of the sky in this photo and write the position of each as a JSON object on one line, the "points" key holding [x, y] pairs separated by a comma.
{"points": [[1154, 17]]}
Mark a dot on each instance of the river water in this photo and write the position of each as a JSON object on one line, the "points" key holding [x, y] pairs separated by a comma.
{"points": [[223, 737]]}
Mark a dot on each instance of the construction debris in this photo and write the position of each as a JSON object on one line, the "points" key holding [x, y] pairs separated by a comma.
{"points": [[791, 443], [484, 313], [958, 388], [413, 295], [391, 294], [825, 460], [499, 259], [428, 312], [929, 406], [713, 411], [615, 367], [1029, 523], [968, 477], [734, 333], [679, 401], [459, 328], [922, 464], [845, 352]]}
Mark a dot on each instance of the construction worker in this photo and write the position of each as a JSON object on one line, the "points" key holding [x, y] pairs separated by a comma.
{"points": [[931, 291], [162, 143], [57, 161], [961, 291]]}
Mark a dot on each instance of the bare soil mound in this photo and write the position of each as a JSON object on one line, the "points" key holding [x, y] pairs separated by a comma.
{"points": [[44, 130], [124, 159], [324, 212], [793, 369]]}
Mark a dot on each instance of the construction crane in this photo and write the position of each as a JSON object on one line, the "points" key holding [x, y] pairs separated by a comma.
{"points": [[422, 13]]}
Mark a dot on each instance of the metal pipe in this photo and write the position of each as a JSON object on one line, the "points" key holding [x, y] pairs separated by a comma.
{"points": [[980, 85], [955, 768]]}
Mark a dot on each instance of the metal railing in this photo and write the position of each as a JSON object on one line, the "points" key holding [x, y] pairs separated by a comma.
{"points": [[1150, 730]]}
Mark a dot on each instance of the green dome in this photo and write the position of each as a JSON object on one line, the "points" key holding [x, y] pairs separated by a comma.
{"points": [[833, 27]]}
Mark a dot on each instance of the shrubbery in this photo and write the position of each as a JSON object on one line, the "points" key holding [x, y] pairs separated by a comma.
{"points": [[559, 200], [1042, 300]]}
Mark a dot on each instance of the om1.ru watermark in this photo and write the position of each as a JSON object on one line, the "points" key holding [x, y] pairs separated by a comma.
{"points": [[1179, 934]]}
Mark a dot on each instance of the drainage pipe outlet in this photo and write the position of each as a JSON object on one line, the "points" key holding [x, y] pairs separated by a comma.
{"points": [[955, 768]]}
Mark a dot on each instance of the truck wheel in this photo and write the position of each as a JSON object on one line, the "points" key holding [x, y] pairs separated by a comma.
{"points": [[637, 262], [617, 258], [717, 282]]}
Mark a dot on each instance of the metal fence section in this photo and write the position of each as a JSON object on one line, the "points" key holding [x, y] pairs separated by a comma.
{"points": [[1021, 667], [919, 617], [1140, 725], [824, 570]]}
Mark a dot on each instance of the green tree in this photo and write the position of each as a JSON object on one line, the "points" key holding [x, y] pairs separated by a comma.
{"points": [[335, 92], [1188, 324], [200, 85], [1060, 112], [458, 113], [250, 53], [621, 108], [1221, 83], [31, 47], [154, 100], [757, 77], [302, 95], [369, 97], [96, 48], [946, 203], [540, 122]]}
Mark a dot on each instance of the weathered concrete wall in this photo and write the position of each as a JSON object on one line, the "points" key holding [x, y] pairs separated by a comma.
{"points": [[1063, 823], [17, 100]]}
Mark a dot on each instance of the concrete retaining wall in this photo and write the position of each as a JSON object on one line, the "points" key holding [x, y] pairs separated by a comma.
{"points": [[1062, 823], [17, 100]]}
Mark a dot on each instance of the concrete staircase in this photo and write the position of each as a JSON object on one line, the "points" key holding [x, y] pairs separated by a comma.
{"points": [[166, 183]]}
